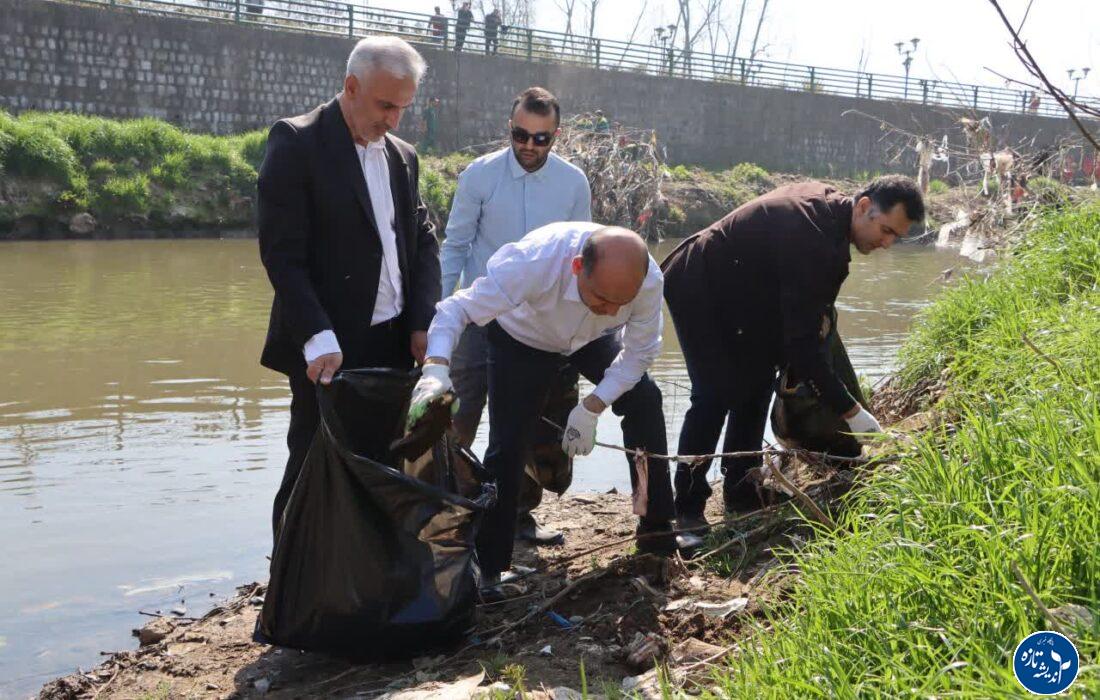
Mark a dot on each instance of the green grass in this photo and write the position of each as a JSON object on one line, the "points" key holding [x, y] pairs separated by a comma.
{"points": [[938, 187], [150, 170], [128, 169], [917, 597]]}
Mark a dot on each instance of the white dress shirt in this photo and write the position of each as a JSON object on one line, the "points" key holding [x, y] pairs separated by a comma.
{"points": [[389, 302], [530, 289], [499, 202]]}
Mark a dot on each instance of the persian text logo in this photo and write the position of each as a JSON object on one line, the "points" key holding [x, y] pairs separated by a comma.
{"points": [[1045, 663]]}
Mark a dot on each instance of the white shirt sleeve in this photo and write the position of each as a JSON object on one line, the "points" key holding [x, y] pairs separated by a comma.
{"points": [[641, 343], [511, 275], [322, 343]]}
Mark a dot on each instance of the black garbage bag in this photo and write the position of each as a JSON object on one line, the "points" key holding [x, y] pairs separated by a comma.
{"points": [[800, 420], [371, 561]]}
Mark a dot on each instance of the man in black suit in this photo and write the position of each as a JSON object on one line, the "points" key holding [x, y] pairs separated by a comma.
{"points": [[346, 239]]}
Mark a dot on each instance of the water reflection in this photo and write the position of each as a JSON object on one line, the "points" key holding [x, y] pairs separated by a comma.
{"points": [[141, 442]]}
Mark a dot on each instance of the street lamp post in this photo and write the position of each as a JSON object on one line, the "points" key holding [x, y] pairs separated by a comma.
{"points": [[908, 58], [1077, 78]]}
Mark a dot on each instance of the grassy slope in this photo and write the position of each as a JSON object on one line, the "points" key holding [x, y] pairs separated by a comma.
{"points": [[917, 598], [142, 170]]}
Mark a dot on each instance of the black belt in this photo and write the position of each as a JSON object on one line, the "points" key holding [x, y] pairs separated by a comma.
{"points": [[389, 324]]}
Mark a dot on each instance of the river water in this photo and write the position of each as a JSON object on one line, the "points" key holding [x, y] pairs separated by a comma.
{"points": [[141, 442]]}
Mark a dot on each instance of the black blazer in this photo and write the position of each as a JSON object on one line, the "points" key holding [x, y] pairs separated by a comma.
{"points": [[754, 286], [319, 240]]}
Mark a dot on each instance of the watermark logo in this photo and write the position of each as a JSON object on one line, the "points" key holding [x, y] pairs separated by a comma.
{"points": [[1046, 663]]}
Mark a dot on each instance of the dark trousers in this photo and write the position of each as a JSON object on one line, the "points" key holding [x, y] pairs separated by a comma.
{"points": [[387, 346], [519, 379], [745, 419], [470, 375], [491, 42], [725, 389], [460, 37]]}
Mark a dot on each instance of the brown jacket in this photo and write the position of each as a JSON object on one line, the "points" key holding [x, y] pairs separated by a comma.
{"points": [[748, 293]]}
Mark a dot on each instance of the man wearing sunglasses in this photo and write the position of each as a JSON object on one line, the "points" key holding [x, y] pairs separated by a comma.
{"points": [[500, 198]]}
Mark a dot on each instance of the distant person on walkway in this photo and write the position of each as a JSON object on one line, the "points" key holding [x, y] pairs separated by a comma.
{"points": [[462, 24], [1033, 105], [501, 197], [573, 293], [345, 238], [431, 124], [492, 27], [747, 296], [437, 25]]}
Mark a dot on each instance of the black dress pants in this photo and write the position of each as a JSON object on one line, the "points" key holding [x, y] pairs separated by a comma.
{"points": [[387, 346], [519, 378], [726, 388]]}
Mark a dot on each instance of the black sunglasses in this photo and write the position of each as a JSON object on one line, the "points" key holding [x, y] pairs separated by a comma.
{"points": [[541, 138]]}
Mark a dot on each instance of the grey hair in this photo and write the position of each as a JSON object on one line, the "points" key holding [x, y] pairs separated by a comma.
{"points": [[394, 56]]}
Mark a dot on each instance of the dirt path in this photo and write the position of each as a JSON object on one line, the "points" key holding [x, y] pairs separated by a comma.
{"points": [[616, 613]]}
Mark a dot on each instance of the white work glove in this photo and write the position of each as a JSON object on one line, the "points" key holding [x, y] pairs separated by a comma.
{"points": [[580, 432], [863, 422], [435, 381]]}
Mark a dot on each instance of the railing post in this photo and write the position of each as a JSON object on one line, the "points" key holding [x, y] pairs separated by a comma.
{"points": [[236, 10], [870, 79], [351, 21], [671, 62], [813, 80], [924, 91], [597, 54], [529, 47], [975, 97]]}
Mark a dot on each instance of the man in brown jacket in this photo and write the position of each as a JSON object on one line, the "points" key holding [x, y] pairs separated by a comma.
{"points": [[747, 296]]}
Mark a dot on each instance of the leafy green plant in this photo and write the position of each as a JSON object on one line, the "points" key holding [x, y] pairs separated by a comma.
{"points": [[438, 191], [121, 196], [681, 173], [1049, 191], [750, 174], [515, 675], [252, 147], [938, 187]]}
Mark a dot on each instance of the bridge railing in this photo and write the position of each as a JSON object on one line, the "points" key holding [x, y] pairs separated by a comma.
{"points": [[353, 21]]}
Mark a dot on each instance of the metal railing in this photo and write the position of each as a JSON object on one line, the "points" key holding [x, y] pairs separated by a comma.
{"points": [[352, 21]]}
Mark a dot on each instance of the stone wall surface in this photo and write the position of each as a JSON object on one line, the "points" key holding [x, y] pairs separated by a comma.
{"points": [[222, 77]]}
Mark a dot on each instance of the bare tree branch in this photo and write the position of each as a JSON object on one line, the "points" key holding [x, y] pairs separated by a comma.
{"points": [[1067, 103], [759, 24], [737, 37]]}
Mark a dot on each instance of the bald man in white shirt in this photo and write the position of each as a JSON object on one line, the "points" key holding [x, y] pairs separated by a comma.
{"points": [[570, 292]]}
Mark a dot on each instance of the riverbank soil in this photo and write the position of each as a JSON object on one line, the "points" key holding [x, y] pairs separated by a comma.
{"points": [[593, 615]]}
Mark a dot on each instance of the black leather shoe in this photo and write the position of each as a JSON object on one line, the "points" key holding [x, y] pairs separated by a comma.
{"points": [[661, 541], [528, 530], [742, 500], [695, 524]]}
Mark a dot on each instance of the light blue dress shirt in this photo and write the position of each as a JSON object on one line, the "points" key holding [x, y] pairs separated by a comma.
{"points": [[498, 202]]}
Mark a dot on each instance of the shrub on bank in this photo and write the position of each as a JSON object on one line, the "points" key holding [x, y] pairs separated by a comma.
{"points": [[128, 169], [150, 170]]}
